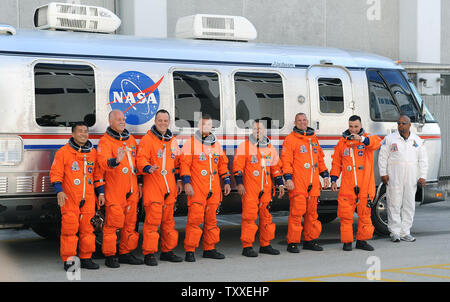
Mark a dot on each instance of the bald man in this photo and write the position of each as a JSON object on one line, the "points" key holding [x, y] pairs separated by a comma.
{"points": [[402, 163], [118, 173]]}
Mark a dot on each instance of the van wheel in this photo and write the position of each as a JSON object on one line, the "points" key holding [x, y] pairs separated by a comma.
{"points": [[379, 214], [48, 230], [327, 217]]}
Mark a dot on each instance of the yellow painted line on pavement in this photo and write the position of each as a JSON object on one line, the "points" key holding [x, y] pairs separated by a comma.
{"points": [[381, 279], [404, 270], [421, 274], [448, 268]]}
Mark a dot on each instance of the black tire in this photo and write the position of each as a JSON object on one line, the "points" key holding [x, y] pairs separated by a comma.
{"points": [[379, 214], [98, 246], [327, 217], [48, 230]]}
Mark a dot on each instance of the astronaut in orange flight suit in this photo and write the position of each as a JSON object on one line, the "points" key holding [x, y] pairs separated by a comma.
{"points": [[116, 154], [302, 162], [72, 175], [158, 158], [353, 157], [202, 164], [255, 163]]}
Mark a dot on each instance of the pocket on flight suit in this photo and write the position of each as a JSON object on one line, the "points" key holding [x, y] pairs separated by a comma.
{"points": [[115, 216], [70, 224], [155, 213]]}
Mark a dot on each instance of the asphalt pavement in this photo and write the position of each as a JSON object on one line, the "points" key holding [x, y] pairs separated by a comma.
{"points": [[24, 256]]}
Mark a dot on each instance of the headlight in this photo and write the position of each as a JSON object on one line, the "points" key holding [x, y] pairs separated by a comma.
{"points": [[11, 150]]}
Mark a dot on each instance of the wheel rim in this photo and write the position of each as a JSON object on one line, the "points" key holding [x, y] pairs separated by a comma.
{"points": [[381, 210]]}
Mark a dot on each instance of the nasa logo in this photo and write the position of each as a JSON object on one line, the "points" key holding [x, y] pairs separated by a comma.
{"points": [[136, 95]]}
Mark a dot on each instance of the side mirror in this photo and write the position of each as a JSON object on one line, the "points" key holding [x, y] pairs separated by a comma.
{"points": [[421, 116]]}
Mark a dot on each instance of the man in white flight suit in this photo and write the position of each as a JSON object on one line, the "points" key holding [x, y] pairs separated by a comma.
{"points": [[403, 163]]}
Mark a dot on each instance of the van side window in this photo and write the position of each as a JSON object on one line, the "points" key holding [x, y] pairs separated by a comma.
{"points": [[64, 94], [382, 104], [259, 96], [196, 92], [331, 95], [400, 89]]}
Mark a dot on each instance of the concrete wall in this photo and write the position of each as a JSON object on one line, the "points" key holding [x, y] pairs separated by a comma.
{"points": [[445, 32], [370, 25], [367, 25], [144, 18]]}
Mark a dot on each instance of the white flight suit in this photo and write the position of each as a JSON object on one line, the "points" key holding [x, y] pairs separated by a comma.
{"points": [[404, 161]]}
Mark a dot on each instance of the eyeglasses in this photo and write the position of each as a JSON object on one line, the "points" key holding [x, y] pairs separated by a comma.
{"points": [[402, 123]]}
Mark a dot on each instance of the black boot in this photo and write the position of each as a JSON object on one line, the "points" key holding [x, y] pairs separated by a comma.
{"points": [[130, 259], [311, 245], [292, 248], [347, 246], [112, 262], [150, 260], [363, 245], [213, 254], [249, 252], [190, 257], [88, 264], [170, 256], [268, 249]]}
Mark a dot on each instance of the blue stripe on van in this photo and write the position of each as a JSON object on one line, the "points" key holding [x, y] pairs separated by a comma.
{"points": [[165, 60], [124, 58], [56, 147]]}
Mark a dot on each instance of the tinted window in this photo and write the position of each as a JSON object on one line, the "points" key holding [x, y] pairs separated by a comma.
{"points": [[196, 92], [64, 94], [259, 96], [382, 105], [331, 95], [400, 89], [428, 116]]}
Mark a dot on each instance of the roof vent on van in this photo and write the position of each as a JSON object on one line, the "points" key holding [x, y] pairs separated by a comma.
{"points": [[215, 27], [75, 17], [6, 29]]}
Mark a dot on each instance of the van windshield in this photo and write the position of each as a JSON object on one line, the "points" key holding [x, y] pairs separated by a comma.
{"points": [[392, 93], [429, 118]]}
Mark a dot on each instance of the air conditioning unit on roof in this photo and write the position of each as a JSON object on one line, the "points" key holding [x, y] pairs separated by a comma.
{"points": [[215, 27], [75, 17]]}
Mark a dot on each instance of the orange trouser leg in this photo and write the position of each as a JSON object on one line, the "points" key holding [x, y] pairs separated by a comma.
{"points": [[297, 209], [169, 236], [128, 236], [86, 244], [69, 228], [196, 212], [365, 227], [211, 232], [346, 209], [153, 217], [312, 226], [114, 219], [266, 226], [249, 216]]}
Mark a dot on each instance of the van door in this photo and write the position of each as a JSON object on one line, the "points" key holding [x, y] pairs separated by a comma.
{"points": [[331, 98]]}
